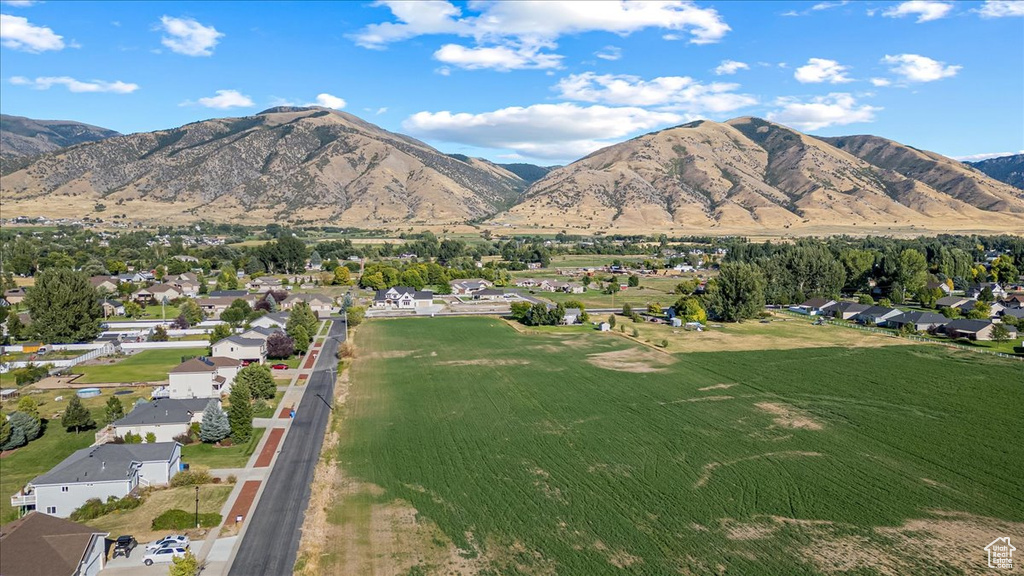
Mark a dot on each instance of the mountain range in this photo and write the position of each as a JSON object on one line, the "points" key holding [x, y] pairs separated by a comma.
{"points": [[1009, 169], [21, 137], [315, 165]]}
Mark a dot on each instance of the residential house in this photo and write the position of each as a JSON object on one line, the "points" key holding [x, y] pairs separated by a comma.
{"points": [[933, 284], [489, 294], [245, 350], [974, 329], [1017, 313], [877, 315], [214, 305], [272, 320], [957, 302], [976, 290], [527, 282], [259, 333], [112, 307], [403, 298], [166, 418], [14, 296], [264, 283], [321, 305], [469, 287], [203, 377], [156, 294], [919, 321], [1013, 301], [187, 284], [572, 316], [233, 294], [99, 472], [42, 545], [104, 283], [813, 306], [845, 310]]}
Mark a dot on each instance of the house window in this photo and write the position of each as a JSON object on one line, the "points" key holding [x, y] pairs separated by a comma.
{"points": [[51, 509], [63, 488]]}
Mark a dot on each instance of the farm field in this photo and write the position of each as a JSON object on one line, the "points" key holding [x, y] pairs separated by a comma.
{"points": [[145, 366], [469, 447]]}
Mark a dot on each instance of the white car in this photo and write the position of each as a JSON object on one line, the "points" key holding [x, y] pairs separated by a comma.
{"points": [[164, 555], [171, 540]]}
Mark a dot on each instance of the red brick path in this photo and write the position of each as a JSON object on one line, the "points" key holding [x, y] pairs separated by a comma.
{"points": [[267, 454], [244, 501]]}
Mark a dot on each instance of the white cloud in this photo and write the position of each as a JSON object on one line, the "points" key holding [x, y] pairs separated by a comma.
{"points": [[188, 37], [540, 22], [676, 92], [377, 111], [609, 53], [836, 109], [502, 58], [20, 34], [925, 10], [730, 67], [916, 68], [986, 156], [19, 3], [1001, 8], [881, 82], [550, 131], [444, 71], [225, 99], [821, 70], [47, 82], [829, 5], [329, 101]]}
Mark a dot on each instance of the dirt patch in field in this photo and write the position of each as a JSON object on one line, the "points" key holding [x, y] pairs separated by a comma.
{"points": [[708, 399], [549, 348], [710, 467], [789, 417], [715, 387], [635, 360], [735, 530], [484, 362], [947, 542], [393, 354]]}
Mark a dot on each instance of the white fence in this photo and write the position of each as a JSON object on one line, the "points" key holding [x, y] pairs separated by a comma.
{"points": [[58, 365], [137, 346]]}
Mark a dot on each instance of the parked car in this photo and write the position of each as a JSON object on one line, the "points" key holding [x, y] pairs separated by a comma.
{"points": [[170, 540], [280, 366], [164, 555], [124, 545]]}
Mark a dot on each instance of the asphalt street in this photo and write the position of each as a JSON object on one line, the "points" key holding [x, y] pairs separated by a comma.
{"points": [[271, 540]]}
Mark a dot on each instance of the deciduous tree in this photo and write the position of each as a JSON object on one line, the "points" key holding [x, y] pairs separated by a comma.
{"points": [[240, 413]]}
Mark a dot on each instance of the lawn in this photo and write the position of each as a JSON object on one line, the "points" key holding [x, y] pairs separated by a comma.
{"points": [[200, 454], [577, 452], [145, 366], [54, 445], [153, 312], [138, 522]]}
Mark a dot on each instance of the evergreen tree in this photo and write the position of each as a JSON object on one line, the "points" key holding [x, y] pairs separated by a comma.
{"points": [[259, 380], [215, 425], [301, 339], [15, 437], [240, 412], [76, 416], [114, 410], [31, 427], [5, 431], [64, 307]]}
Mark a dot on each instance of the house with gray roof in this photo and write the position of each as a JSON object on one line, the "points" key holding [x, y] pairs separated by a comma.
{"points": [[974, 329], [403, 298], [164, 417], [844, 310], [572, 316], [919, 321], [99, 472], [245, 350], [877, 315], [274, 319]]}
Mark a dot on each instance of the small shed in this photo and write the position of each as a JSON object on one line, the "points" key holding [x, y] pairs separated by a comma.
{"points": [[676, 322], [9, 393], [605, 327]]}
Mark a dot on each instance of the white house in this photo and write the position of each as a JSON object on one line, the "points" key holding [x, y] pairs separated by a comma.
{"points": [[245, 350], [572, 316], [272, 320], [403, 298], [322, 306], [259, 333], [99, 472], [39, 544], [203, 377], [472, 286], [163, 417]]}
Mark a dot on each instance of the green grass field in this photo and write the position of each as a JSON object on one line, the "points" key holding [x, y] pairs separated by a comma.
{"points": [[145, 366], [200, 454], [586, 453]]}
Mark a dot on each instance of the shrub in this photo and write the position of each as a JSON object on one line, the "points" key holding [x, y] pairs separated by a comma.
{"points": [[184, 439], [132, 438], [191, 477], [150, 437], [232, 479], [636, 333], [94, 507], [177, 519]]}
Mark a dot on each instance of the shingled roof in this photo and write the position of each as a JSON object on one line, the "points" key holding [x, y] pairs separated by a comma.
{"points": [[43, 545]]}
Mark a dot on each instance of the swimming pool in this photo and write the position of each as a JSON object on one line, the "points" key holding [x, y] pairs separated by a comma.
{"points": [[88, 392]]}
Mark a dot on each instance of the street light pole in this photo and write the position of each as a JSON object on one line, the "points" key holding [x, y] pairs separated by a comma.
{"points": [[197, 507]]}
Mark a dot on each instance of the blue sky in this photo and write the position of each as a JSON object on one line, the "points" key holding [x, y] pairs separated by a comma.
{"points": [[531, 81]]}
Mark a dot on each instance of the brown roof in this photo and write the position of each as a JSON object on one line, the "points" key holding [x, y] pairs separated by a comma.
{"points": [[43, 545], [203, 364]]}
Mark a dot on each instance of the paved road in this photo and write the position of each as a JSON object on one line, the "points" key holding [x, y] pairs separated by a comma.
{"points": [[271, 540]]}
